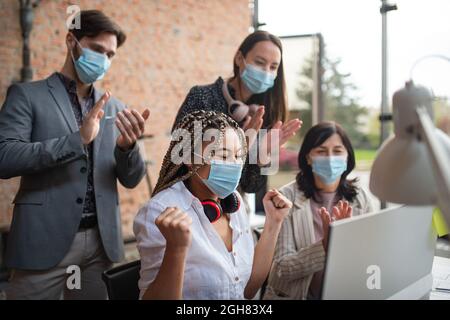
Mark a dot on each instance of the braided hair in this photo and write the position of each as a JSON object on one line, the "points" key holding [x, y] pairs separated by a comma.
{"points": [[172, 172]]}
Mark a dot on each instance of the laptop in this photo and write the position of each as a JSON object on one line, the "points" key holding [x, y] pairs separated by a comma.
{"points": [[383, 255]]}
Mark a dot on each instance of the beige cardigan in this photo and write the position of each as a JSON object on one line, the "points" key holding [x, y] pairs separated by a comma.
{"points": [[298, 255]]}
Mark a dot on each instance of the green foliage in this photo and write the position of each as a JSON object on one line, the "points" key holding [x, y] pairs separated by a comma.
{"points": [[365, 155]]}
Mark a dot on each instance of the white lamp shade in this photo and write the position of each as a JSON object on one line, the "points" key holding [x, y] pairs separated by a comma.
{"points": [[413, 167], [402, 173]]}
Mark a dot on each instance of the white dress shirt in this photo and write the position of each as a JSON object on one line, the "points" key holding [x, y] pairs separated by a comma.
{"points": [[212, 272]]}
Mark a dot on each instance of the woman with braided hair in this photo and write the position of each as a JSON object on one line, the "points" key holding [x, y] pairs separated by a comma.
{"points": [[193, 237]]}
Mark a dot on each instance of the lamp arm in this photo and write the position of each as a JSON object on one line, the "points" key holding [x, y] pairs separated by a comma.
{"points": [[439, 159], [428, 56]]}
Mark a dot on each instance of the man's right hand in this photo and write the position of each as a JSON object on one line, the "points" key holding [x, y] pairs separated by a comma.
{"points": [[91, 123], [175, 226]]}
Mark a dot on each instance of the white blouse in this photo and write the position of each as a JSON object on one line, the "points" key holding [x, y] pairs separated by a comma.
{"points": [[211, 272]]}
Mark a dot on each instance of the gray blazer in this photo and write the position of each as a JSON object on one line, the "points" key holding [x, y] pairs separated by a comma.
{"points": [[40, 141], [298, 255]]}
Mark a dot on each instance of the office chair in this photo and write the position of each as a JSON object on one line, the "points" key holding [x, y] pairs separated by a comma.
{"points": [[122, 281]]}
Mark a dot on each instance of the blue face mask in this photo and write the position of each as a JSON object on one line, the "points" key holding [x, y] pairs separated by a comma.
{"points": [[90, 66], [329, 169], [223, 177], [257, 80]]}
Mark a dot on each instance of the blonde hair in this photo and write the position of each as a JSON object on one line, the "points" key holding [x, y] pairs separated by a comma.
{"points": [[172, 172]]}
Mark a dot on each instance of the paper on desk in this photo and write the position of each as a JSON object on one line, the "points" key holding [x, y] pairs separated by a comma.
{"points": [[439, 224]]}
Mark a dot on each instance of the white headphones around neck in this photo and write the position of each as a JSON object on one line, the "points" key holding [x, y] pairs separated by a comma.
{"points": [[237, 109]]}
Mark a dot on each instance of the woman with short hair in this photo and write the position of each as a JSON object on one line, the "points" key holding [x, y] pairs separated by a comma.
{"points": [[320, 194]]}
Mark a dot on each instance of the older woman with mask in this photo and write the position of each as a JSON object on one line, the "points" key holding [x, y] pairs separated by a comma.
{"points": [[321, 194]]}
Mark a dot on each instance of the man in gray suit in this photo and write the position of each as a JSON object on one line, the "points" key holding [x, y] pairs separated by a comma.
{"points": [[69, 143]]}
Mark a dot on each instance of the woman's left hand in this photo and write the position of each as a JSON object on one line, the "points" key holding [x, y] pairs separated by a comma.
{"points": [[252, 125], [343, 210], [276, 206], [284, 132]]}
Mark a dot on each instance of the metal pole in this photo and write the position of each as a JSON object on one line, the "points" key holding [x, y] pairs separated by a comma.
{"points": [[384, 97], [258, 205], [147, 162], [315, 92], [320, 104], [255, 16], [26, 25], [317, 108], [384, 116]]}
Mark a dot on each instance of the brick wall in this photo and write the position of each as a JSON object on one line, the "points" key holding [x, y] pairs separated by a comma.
{"points": [[171, 46]]}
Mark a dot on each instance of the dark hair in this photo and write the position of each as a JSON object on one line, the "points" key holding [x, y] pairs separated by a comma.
{"points": [[171, 172], [274, 99], [95, 22], [315, 136]]}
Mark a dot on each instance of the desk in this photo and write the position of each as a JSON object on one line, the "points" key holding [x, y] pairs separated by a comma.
{"points": [[441, 275]]}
